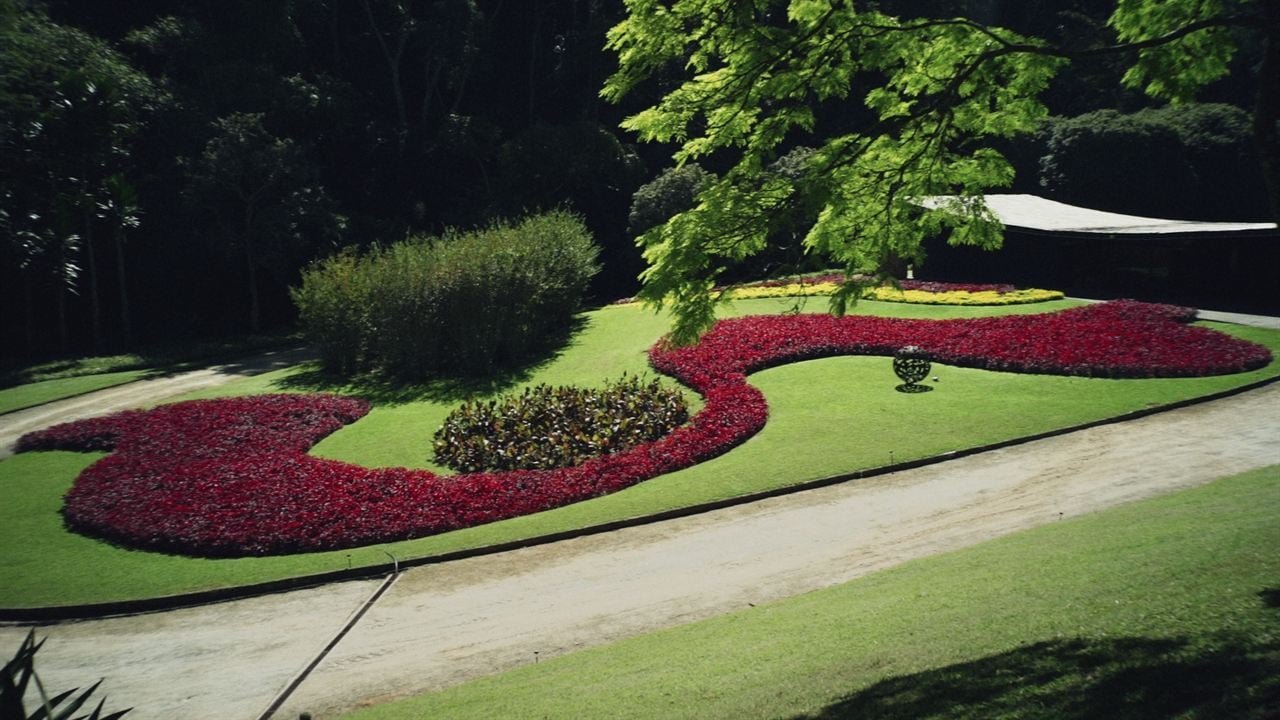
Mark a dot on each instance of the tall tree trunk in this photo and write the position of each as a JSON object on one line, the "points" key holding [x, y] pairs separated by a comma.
{"points": [[126, 327], [393, 66], [95, 303], [533, 61], [63, 339], [28, 321], [251, 264], [1266, 111]]}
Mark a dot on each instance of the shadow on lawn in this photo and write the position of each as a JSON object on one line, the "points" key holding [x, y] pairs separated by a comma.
{"points": [[1236, 677], [383, 388]]}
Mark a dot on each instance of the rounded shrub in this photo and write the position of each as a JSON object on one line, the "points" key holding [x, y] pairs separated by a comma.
{"points": [[674, 191], [553, 427], [333, 304], [465, 303], [1195, 161]]}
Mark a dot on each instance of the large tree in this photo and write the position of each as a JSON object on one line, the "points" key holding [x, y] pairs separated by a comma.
{"points": [[71, 108], [935, 94], [259, 194]]}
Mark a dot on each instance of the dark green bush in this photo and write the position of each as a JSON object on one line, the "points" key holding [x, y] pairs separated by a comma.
{"points": [[1194, 161], [551, 427], [672, 192], [461, 304], [333, 304]]}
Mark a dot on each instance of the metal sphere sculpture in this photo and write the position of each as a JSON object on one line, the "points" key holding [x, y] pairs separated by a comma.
{"points": [[911, 364]]}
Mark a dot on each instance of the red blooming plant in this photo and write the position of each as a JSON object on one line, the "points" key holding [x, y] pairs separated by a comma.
{"points": [[232, 477]]}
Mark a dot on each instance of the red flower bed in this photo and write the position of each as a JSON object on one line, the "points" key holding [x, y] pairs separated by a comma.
{"points": [[941, 287], [231, 477]]}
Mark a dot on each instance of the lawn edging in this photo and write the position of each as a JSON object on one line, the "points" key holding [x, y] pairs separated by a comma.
{"points": [[89, 611]]}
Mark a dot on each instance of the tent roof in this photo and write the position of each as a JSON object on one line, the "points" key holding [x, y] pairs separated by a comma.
{"points": [[1032, 212]]}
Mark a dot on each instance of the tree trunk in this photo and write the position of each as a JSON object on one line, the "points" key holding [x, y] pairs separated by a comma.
{"points": [[95, 303], [28, 322], [393, 66], [1266, 112], [251, 265], [126, 327], [533, 62], [63, 344]]}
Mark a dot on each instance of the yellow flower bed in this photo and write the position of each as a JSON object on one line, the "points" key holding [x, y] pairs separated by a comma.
{"points": [[889, 294], [963, 297]]}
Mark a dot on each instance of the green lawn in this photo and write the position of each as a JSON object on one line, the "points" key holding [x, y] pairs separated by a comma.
{"points": [[39, 393], [827, 416], [1164, 608]]}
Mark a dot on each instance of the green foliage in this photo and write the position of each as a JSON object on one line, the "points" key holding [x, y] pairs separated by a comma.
{"points": [[937, 94], [581, 166], [260, 198], [20, 671], [674, 191], [71, 112], [461, 304], [334, 302], [758, 73], [1174, 71], [551, 427], [1195, 161]]}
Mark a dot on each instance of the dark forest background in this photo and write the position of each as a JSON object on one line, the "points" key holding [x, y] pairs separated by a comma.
{"points": [[167, 167]]}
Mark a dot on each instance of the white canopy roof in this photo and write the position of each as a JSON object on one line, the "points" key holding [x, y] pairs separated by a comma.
{"points": [[1032, 212]]}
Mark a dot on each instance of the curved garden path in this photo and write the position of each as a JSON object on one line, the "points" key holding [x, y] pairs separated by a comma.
{"points": [[439, 625], [139, 393]]}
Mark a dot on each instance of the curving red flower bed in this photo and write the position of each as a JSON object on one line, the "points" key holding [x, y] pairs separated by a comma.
{"points": [[231, 477]]}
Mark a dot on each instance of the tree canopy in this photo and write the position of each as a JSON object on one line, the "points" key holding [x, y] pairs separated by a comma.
{"points": [[936, 95]]}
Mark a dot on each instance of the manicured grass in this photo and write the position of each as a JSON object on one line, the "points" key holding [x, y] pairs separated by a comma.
{"points": [[828, 416], [1165, 608], [39, 393]]}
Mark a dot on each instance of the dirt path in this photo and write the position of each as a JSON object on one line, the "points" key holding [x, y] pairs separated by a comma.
{"points": [[138, 394], [441, 625]]}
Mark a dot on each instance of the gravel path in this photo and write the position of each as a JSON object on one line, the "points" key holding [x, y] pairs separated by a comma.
{"points": [[440, 625], [138, 394]]}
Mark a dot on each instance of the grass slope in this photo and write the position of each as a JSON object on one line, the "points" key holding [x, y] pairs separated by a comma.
{"points": [[44, 391], [1165, 608], [831, 416]]}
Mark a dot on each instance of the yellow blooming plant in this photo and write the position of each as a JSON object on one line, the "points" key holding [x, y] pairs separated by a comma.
{"points": [[887, 293], [964, 297]]}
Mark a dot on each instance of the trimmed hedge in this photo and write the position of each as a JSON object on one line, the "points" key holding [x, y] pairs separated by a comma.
{"points": [[460, 304]]}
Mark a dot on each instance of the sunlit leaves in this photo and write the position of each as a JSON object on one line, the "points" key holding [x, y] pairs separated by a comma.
{"points": [[1175, 70], [937, 91], [757, 73]]}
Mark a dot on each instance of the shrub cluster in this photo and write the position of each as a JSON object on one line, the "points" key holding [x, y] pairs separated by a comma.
{"points": [[1194, 161], [551, 427], [232, 476], [460, 304]]}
